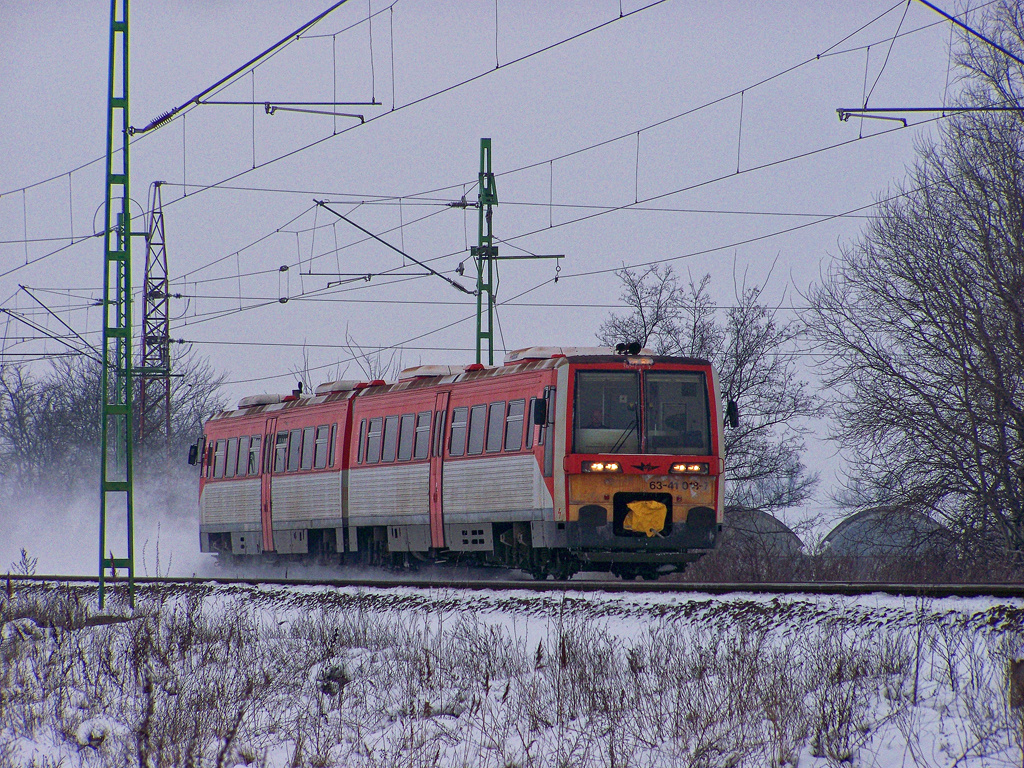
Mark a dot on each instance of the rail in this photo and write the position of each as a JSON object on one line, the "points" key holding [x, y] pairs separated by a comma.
{"points": [[788, 588]]}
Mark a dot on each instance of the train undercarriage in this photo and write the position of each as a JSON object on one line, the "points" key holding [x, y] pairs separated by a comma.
{"points": [[511, 545]]}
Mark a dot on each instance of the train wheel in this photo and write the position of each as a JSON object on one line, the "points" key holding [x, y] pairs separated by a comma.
{"points": [[625, 572], [649, 574]]}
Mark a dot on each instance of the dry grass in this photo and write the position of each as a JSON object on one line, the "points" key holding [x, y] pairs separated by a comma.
{"points": [[193, 682]]}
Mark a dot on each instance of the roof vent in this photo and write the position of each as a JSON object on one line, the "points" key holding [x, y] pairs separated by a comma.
{"points": [[422, 371], [548, 353], [345, 385], [252, 401]]}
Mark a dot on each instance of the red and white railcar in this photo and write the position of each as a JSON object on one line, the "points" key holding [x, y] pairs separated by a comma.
{"points": [[561, 459]]}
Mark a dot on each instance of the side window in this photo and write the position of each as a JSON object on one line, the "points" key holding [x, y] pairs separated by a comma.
{"points": [[460, 417], [477, 418], [307, 448], [495, 426], [390, 438], [229, 468], [219, 456], [405, 436], [294, 449], [422, 435], [373, 440], [322, 435], [514, 425], [281, 452], [243, 455], [254, 455], [361, 450], [209, 459], [330, 449], [529, 424]]}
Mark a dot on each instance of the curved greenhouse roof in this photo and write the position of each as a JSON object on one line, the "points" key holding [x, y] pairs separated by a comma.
{"points": [[883, 532], [752, 527]]}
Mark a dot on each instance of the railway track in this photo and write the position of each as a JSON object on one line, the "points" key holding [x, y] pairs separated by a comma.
{"points": [[807, 588]]}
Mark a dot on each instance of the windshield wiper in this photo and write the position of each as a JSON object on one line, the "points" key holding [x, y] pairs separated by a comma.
{"points": [[628, 431]]}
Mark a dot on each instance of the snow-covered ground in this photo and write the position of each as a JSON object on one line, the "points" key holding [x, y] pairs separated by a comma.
{"points": [[278, 676]]}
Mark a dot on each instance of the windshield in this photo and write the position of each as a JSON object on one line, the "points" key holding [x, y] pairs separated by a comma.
{"points": [[607, 412], [675, 413], [676, 418]]}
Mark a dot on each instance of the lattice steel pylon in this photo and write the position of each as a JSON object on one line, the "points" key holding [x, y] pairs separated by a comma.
{"points": [[155, 369], [116, 382]]}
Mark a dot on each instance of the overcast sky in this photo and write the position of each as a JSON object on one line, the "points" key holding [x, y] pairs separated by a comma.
{"points": [[726, 179]]}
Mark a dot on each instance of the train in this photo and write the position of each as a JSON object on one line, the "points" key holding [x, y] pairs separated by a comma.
{"points": [[563, 459]]}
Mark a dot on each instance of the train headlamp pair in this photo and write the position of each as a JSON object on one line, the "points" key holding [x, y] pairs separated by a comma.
{"points": [[689, 469], [602, 466]]}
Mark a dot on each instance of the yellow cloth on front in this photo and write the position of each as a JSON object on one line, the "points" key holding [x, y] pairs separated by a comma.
{"points": [[645, 517]]}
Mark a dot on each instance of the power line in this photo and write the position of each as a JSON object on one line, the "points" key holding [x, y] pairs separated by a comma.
{"points": [[714, 249], [601, 210], [427, 97], [203, 188], [826, 53], [224, 313]]}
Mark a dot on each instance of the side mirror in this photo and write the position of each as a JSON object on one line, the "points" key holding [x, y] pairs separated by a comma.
{"points": [[193, 454], [540, 411], [732, 414]]}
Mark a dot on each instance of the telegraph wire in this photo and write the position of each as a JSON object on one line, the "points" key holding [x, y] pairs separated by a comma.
{"points": [[604, 210], [730, 175], [395, 346], [218, 314], [282, 230], [735, 244], [824, 219], [204, 187], [420, 199], [419, 100], [201, 187], [265, 56], [827, 52], [887, 54], [331, 299]]}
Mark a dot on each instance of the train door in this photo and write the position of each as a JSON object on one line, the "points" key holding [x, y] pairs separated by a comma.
{"points": [[436, 470], [266, 509]]}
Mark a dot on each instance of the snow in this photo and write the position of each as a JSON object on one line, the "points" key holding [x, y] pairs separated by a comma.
{"points": [[279, 676]]}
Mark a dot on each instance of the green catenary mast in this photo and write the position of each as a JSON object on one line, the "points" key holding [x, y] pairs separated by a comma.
{"points": [[484, 254], [116, 384]]}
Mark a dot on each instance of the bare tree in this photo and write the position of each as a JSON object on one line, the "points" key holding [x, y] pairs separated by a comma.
{"points": [[50, 422], [373, 363], [755, 354], [922, 320]]}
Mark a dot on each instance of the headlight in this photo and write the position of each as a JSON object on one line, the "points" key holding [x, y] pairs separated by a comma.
{"points": [[602, 466], [689, 469]]}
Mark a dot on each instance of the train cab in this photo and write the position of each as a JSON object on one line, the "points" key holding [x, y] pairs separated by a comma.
{"points": [[641, 458]]}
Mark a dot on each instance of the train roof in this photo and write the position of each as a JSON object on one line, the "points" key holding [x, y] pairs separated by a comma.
{"points": [[425, 376]]}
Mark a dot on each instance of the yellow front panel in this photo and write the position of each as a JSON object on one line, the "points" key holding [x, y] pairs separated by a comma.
{"points": [[599, 488]]}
